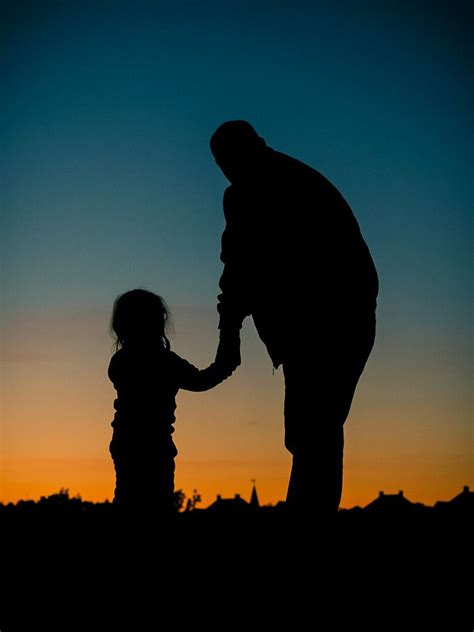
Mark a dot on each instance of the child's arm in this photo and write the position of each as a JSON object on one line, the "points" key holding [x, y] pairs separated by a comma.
{"points": [[194, 379]]}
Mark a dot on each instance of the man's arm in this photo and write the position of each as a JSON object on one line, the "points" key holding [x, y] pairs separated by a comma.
{"points": [[233, 301]]}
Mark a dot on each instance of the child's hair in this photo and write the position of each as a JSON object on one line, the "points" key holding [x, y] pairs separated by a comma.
{"points": [[139, 316]]}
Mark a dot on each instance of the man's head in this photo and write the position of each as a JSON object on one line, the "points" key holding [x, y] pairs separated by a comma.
{"points": [[237, 148]]}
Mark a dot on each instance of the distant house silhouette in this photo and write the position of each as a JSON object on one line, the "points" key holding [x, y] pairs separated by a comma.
{"points": [[236, 504], [392, 504], [462, 503]]}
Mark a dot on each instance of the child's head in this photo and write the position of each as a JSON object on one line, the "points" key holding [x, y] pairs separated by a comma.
{"points": [[140, 318]]}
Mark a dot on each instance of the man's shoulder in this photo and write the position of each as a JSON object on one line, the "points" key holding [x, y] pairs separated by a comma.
{"points": [[295, 174], [289, 165]]}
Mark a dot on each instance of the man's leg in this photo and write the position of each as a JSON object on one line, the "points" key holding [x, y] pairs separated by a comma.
{"points": [[319, 388], [316, 475], [315, 437]]}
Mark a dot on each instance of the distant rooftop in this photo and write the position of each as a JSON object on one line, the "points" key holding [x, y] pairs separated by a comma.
{"points": [[237, 503], [390, 502]]}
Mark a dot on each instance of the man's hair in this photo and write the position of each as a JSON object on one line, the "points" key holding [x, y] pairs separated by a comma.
{"points": [[235, 138]]}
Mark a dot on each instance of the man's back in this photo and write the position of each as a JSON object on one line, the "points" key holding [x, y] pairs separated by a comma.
{"points": [[299, 244]]}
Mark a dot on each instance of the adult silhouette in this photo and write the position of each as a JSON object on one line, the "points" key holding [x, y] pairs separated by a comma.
{"points": [[295, 260]]}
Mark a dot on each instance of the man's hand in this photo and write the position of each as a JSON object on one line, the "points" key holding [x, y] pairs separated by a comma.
{"points": [[228, 351]]}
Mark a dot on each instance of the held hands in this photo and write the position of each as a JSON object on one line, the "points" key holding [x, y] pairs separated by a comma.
{"points": [[228, 352]]}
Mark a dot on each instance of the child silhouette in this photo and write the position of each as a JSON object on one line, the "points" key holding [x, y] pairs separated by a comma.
{"points": [[147, 376]]}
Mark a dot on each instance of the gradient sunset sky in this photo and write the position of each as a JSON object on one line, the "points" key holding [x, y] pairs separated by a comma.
{"points": [[108, 184]]}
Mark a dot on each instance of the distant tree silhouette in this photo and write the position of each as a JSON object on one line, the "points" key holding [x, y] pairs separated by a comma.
{"points": [[60, 500], [59, 497], [178, 499], [193, 501]]}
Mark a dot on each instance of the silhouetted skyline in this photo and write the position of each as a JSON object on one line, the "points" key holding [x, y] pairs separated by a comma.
{"points": [[385, 502]]}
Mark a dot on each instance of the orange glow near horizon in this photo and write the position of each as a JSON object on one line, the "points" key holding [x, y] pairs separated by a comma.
{"points": [[93, 478], [58, 408]]}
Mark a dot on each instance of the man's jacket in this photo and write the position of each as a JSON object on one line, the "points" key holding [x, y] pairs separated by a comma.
{"points": [[294, 257]]}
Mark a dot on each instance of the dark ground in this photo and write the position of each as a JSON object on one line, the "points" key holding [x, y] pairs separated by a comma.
{"points": [[99, 572]]}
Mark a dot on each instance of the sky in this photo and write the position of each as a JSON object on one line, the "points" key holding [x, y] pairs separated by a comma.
{"points": [[107, 184]]}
